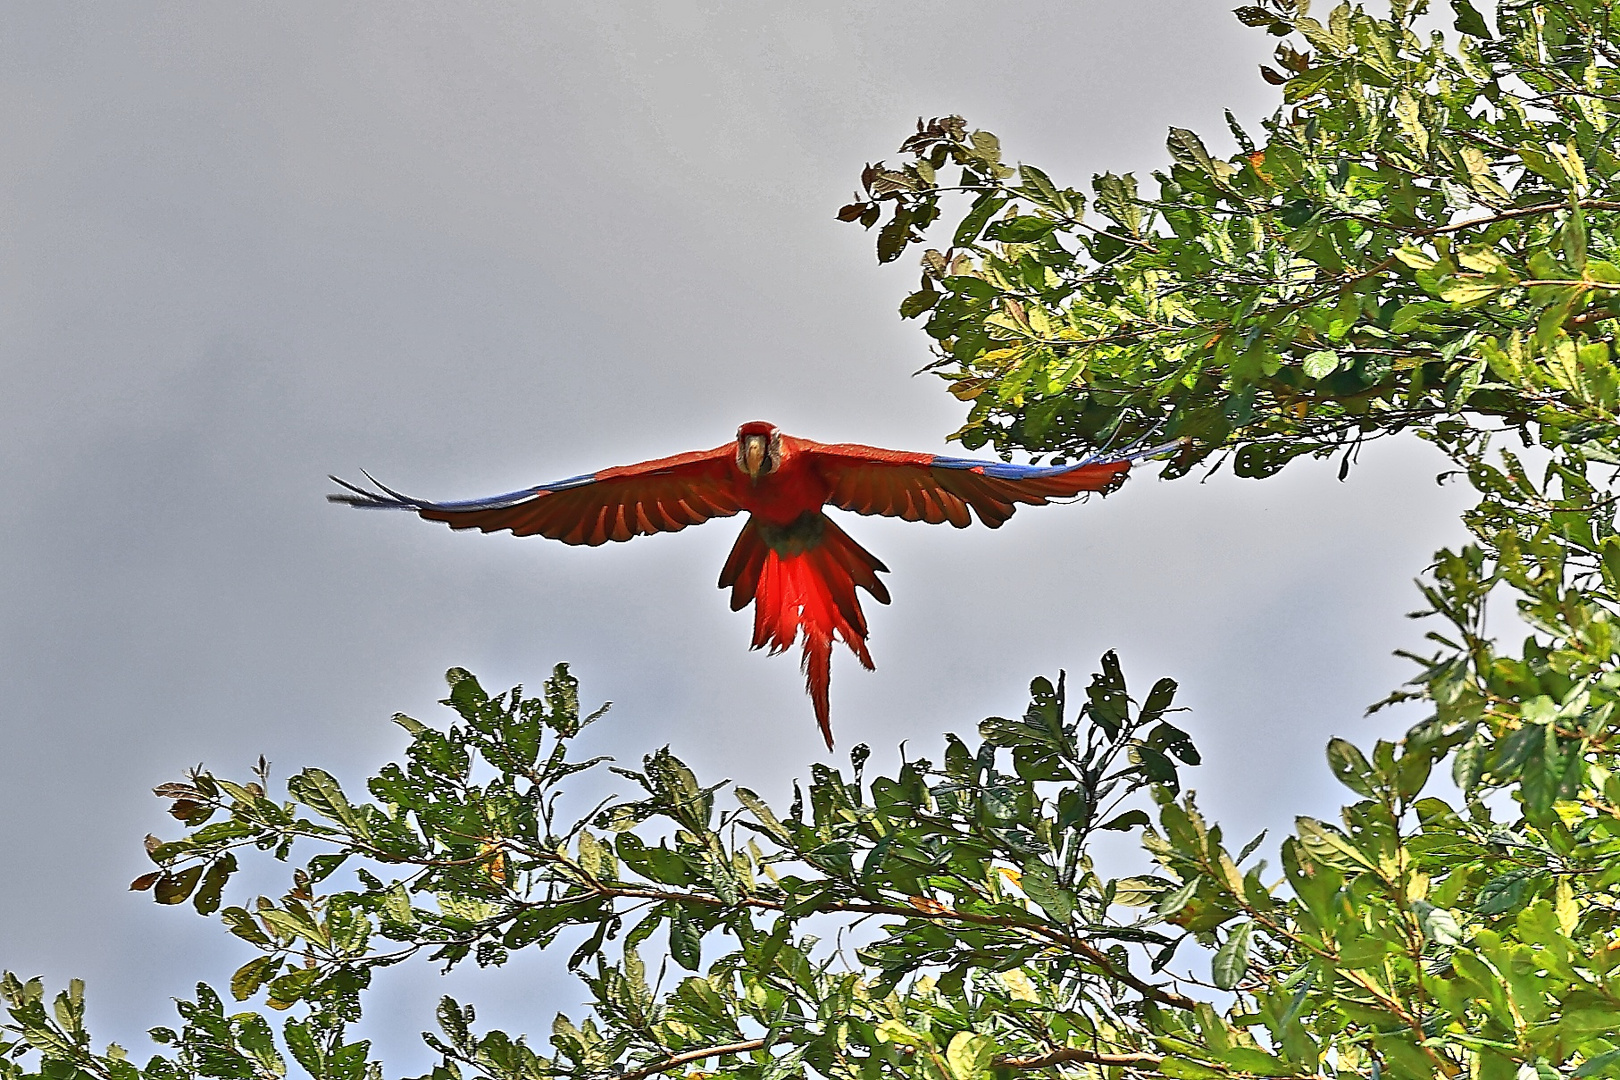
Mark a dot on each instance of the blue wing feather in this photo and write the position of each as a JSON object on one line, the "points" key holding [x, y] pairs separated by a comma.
{"points": [[1006, 470], [386, 498]]}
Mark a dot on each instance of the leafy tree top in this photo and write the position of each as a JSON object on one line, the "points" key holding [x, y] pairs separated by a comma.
{"points": [[1424, 228]]}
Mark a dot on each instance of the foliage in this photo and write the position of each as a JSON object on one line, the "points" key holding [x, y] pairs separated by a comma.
{"points": [[1425, 227], [458, 868], [1411, 934], [1426, 242]]}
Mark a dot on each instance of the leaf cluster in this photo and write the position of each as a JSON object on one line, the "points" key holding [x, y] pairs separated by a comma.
{"points": [[989, 913], [1424, 227]]}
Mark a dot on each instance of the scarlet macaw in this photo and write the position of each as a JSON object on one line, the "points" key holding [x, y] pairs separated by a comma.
{"points": [[798, 568]]}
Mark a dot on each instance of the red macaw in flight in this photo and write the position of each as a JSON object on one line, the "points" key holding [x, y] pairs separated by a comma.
{"points": [[798, 568]]}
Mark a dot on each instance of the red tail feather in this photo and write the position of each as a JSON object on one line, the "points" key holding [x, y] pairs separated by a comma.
{"points": [[810, 589]]}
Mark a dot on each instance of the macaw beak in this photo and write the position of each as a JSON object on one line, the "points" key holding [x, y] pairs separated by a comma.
{"points": [[754, 450]]}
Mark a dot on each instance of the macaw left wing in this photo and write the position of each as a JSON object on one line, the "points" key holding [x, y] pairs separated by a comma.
{"points": [[935, 488], [663, 495]]}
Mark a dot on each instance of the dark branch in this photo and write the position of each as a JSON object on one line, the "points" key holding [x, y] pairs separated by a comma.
{"points": [[1075, 1054], [675, 1061], [1057, 937]]}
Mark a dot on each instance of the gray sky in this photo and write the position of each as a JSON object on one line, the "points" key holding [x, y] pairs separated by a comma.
{"points": [[473, 247]]}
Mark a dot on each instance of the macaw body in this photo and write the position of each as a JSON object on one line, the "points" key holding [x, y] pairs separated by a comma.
{"points": [[791, 561]]}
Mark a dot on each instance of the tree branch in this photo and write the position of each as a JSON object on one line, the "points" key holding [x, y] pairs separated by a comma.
{"points": [[1522, 211], [1074, 1053], [1056, 937], [1060, 1056], [675, 1061]]}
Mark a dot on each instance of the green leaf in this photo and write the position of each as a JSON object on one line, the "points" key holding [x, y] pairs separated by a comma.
{"points": [[896, 1031], [1108, 704], [322, 867], [655, 863], [243, 926], [1543, 165], [1604, 1064], [1468, 290], [968, 1055], [986, 146], [1025, 229], [1174, 901], [975, 220], [893, 238], [1231, 960], [1138, 891], [1180, 1068], [1321, 364], [396, 905], [1420, 315], [685, 940], [1040, 884], [412, 726], [174, 888], [1601, 270], [305, 1050], [1438, 924], [1039, 189], [1573, 235], [1350, 767], [1504, 892], [1255, 1062], [1327, 844], [917, 303], [252, 975], [1412, 773], [1187, 150], [1116, 198], [286, 990], [764, 814], [1130, 819], [1469, 21], [320, 791], [1258, 460], [206, 898], [785, 1065], [1595, 1020], [291, 924]]}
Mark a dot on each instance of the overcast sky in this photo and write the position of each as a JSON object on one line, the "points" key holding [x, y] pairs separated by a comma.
{"points": [[473, 247]]}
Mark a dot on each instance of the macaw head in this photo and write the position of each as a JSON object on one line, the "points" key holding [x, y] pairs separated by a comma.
{"points": [[759, 449]]}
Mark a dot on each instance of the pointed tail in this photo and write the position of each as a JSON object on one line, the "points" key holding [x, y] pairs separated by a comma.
{"points": [[805, 582]]}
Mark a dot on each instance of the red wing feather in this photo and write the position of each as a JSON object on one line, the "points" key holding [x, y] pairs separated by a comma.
{"points": [[926, 487], [663, 495]]}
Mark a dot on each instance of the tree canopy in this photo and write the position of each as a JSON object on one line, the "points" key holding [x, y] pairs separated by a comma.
{"points": [[1421, 239], [1396, 248]]}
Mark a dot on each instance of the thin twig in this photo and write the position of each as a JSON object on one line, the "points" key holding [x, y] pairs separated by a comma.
{"points": [[1074, 1053], [1057, 937], [1523, 211], [675, 1061], [1060, 1056]]}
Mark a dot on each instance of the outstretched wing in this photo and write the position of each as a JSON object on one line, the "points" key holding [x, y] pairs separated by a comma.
{"points": [[932, 488], [665, 495]]}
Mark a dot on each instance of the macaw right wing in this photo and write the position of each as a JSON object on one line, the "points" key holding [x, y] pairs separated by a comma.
{"points": [[936, 488]]}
